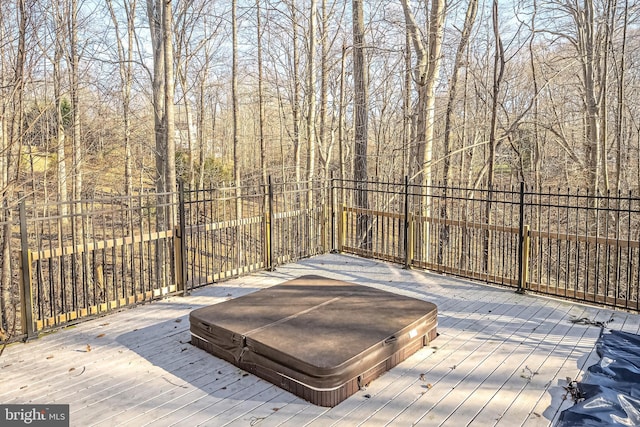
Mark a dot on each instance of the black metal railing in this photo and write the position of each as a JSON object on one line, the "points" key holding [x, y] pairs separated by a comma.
{"points": [[90, 257], [86, 258], [584, 246], [577, 245]]}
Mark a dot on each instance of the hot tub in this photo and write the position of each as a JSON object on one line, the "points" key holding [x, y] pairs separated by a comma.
{"points": [[318, 338]]}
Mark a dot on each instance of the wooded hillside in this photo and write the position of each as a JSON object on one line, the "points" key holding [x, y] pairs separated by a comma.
{"points": [[468, 92]]}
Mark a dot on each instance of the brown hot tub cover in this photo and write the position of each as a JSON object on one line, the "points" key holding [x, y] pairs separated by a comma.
{"points": [[318, 338]]}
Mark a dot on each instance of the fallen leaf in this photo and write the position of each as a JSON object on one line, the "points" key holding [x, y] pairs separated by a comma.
{"points": [[100, 336], [50, 357], [72, 369], [178, 320], [104, 324], [429, 385], [275, 409], [88, 348], [23, 387]]}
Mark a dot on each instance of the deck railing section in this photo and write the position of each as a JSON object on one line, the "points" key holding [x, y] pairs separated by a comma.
{"points": [[577, 245], [86, 258]]}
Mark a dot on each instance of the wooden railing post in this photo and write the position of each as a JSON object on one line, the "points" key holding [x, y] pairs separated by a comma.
{"points": [[524, 246], [180, 244], [26, 288], [342, 228], [408, 227], [268, 230], [524, 269], [332, 217], [411, 241]]}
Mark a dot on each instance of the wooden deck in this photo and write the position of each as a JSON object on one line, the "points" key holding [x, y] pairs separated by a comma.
{"points": [[501, 359]]}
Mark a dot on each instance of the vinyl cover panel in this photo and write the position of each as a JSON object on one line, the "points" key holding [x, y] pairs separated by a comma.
{"points": [[316, 337]]}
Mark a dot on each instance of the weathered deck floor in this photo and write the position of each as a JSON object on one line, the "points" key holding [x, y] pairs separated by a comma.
{"points": [[501, 359]]}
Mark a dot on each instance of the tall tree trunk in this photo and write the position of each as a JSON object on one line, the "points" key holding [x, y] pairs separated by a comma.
{"points": [[621, 87], [184, 85], [324, 69], [427, 70], [74, 78], [154, 14], [169, 91], [361, 119], [234, 101], [126, 95], [428, 58], [202, 145], [498, 72], [537, 147], [605, 51], [60, 42], [407, 128], [311, 112], [12, 153], [588, 56], [261, 118], [125, 68], [470, 17], [295, 108], [341, 129]]}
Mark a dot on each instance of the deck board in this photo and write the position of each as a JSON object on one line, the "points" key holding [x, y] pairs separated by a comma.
{"points": [[501, 359]]}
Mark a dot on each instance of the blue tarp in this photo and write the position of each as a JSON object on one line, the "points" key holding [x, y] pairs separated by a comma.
{"points": [[609, 393]]}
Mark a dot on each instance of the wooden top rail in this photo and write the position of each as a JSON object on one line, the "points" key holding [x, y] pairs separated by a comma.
{"points": [[478, 225], [610, 241], [222, 224], [372, 212], [102, 244], [434, 220], [291, 214]]}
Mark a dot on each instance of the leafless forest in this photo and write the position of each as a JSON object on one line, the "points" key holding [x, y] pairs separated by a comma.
{"points": [[124, 96]]}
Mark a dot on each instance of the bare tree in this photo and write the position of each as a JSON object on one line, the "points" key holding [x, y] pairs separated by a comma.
{"points": [[361, 122], [125, 68], [261, 116], [12, 146], [74, 90], [295, 107], [169, 93], [427, 69], [498, 73], [311, 101], [60, 43], [470, 17], [234, 101], [154, 15]]}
